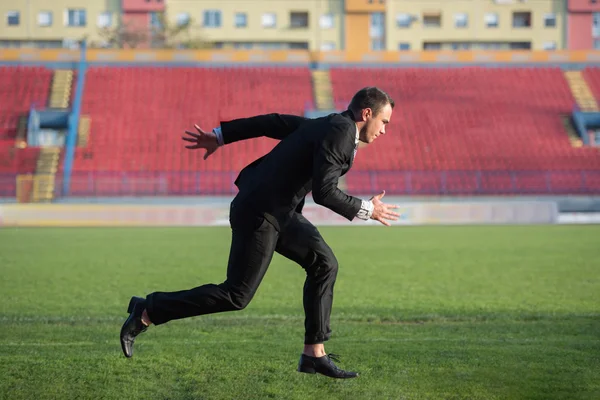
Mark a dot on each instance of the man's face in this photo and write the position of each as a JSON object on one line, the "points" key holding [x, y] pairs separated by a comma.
{"points": [[374, 124]]}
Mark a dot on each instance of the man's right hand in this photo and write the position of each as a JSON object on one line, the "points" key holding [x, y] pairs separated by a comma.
{"points": [[202, 140], [382, 211]]}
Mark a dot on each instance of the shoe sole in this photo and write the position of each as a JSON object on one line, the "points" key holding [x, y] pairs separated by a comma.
{"points": [[313, 371]]}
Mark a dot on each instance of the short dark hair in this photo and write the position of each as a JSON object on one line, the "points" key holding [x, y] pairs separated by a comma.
{"points": [[370, 97]]}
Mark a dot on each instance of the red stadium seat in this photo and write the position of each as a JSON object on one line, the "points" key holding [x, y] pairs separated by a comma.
{"points": [[472, 119], [20, 88], [139, 115], [455, 131]]}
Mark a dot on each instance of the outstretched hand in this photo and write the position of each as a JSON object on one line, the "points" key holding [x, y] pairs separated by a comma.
{"points": [[202, 140], [382, 211]]}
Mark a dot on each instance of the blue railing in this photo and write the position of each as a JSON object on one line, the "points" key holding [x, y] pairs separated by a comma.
{"points": [[414, 183], [71, 140], [363, 182]]}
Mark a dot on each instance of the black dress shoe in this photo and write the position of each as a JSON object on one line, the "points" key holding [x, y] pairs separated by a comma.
{"points": [[323, 365], [133, 326]]}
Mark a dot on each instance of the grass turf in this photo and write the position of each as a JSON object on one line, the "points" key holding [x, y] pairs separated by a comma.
{"points": [[421, 312]]}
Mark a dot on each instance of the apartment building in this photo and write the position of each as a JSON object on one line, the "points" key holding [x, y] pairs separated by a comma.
{"points": [[264, 24], [473, 24], [55, 23], [353, 25]]}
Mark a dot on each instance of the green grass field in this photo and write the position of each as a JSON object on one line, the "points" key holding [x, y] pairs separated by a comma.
{"points": [[421, 312]]}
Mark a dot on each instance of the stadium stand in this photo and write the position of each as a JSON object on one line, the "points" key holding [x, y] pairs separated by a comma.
{"points": [[138, 115], [469, 130], [490, 130], [592, 76], [20, 88]]}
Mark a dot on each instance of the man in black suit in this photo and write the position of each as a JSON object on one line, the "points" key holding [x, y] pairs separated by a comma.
{"points": [[266, 217]]}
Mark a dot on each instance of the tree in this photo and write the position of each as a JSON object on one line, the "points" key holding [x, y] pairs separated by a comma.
{"points": [[124, 36], [161, 34]]}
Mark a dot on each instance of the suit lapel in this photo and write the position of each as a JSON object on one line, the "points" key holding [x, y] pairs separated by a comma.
{"points": [[348, 114]]}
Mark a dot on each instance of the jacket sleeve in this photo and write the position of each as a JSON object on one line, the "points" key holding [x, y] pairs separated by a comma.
{"points": [[274, 126], [330, 156]]}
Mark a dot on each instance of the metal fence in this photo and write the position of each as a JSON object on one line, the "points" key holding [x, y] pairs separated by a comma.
{"points": [[445, 183]]}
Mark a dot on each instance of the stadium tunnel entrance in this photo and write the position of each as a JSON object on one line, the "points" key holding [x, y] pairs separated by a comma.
{"points": [[587, 124]]}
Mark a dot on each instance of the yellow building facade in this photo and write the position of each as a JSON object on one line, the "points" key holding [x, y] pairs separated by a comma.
{"points": [[267, 24], [475, 24], [55, 23], [316, 25]]}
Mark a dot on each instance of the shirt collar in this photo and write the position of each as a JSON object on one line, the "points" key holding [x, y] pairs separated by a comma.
{"points": [[357, 135]]}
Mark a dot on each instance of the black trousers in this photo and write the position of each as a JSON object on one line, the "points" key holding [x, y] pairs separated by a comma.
{"points": [[254, 241]]}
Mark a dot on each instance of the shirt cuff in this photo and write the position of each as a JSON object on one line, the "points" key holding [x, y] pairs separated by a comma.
{"points": [[366, 210], [219, 134]]}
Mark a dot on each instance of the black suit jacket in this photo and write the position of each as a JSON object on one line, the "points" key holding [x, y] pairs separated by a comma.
{"points": [[311, 156]]}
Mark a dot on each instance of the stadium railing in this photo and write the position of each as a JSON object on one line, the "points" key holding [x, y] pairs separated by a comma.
{"points": [[445, 183]]}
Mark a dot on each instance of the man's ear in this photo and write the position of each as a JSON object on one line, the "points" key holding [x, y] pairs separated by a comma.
{"points": [[366, 112]]}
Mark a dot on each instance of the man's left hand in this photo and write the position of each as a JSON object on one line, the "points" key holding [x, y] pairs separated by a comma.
{"points": [[202, 140]]}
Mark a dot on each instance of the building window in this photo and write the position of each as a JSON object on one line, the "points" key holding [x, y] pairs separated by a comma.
{"points": [[460, 46], [269, 20], [461, 20], [432, 46], [299, 19], [155, 20], [377, 44], [550, 20], [241, 20], [75, 17], [212, 19], [403, 20], [403, 46], [491, 20], [596, 24], [432, 20], [549, 45], [520, 46], [105, 19], [183, 19], [45, 18], [242, 45], [12, 18], [521, 19], [327, 46], [298, 46], [491, 46], [272, 46], [70, 44], [377, 25], [326, 21]]}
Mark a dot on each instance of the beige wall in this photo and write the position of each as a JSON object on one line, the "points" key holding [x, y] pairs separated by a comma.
{"points": [[30, 29], [417, 34], [255, 32]]}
